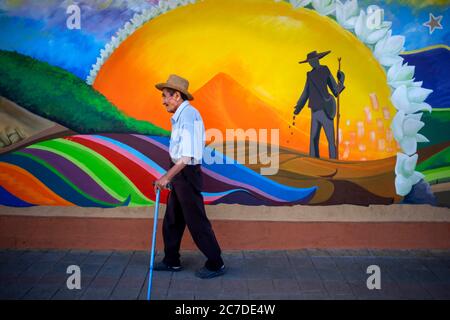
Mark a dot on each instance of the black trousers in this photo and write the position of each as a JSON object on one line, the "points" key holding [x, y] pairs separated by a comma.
{"points": [[185, 207]]}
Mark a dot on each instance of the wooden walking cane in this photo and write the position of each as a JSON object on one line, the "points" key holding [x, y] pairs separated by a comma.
{"points": [[338, 115]]}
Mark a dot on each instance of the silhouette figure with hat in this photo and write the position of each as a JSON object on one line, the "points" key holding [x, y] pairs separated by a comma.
{"points": [[321, 102]]}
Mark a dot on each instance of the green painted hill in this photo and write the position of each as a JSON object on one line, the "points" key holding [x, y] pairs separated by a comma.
{"points": [[437, 130], [58, 95], [437, 167], [437, 127]]}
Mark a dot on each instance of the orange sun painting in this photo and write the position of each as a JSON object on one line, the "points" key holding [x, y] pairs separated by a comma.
{"points": [[244, 73]]}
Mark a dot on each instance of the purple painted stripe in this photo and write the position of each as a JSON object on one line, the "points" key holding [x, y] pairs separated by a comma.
{"points": [[224, 181], [145, 147], [77, 176], [213, 182], [210, 184]]}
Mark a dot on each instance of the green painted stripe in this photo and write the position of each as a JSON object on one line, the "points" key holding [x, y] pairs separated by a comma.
{"points": [[440, 109], [82, 166], [66, 180], [98, 167], [437, 174]]}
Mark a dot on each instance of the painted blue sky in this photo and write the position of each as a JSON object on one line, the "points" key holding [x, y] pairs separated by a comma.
{"points": [[38, 28]]}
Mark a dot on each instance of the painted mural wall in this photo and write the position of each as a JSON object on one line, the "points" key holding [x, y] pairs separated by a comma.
{"points": [[81, 123]]}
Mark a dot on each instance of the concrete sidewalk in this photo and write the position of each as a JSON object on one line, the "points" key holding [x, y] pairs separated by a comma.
{"points": [[293, 274]]}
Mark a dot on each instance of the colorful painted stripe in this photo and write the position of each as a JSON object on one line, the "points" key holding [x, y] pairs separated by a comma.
{"points": [[110, 170]]}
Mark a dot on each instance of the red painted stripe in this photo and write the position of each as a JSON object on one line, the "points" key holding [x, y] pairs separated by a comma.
{"points": [[141, 178]]}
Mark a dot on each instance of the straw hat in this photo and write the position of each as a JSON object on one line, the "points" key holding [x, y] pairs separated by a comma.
{"points": [[177, 83]]}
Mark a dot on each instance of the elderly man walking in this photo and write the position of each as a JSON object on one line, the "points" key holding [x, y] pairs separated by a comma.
{"points": [[185, 204]]}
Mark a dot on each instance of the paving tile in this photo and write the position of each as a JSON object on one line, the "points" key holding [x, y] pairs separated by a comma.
{"points": [[75, 257], [338, 288], [234, 286], [13, 269], [286, 286], [260, 286], [53, 256], [413, 291], [38, 269], [295, 296], [186, 273], [13, 292], [323, 262], [311, 286], [445, 261], [40, 292], [301, 262], [141, 258], [130, 283], [281, 272], [316, 296], [97, 257], [361, 292], [125, 293], [346, 263], [7, 255], [183, 285], [235, 271], [209, 286], [318, 252], [443, 273], [119, 257], [307, 274], [268, 296], [400, 275], [112, 269], [96, 294], [251, 254], [232, 254], [355, 277], [180, 296], [159, 290], [249, 270], [330, 274], [169, 275], [234, 296], [158, 282], [440, 291], [32, 255], [343, 297], [206, 296], [156, 294], [65, 294], [424, 276], [293, 274]]}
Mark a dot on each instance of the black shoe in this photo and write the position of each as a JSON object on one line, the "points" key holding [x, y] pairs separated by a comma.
{"points": [[205, 273], [161, 266]]}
